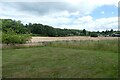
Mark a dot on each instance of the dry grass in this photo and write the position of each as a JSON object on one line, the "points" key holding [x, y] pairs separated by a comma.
{"points": [[42, 39]]}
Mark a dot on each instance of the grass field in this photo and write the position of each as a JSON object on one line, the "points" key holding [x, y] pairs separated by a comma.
{"points": [[62, 60]]}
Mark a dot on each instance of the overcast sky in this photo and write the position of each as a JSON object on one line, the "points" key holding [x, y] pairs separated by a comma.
{"points": [[91, 15]]}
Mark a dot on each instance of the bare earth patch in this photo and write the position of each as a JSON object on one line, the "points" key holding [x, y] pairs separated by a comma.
{"points": [[43, 39]]}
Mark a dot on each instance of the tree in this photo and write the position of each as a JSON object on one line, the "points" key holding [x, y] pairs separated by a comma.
{"points": [[14, 32], [93, 35], [17, 26], [84, 32], [111, 30]]}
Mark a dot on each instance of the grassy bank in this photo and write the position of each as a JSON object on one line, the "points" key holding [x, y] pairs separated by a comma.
{"points": [[99, 45]]}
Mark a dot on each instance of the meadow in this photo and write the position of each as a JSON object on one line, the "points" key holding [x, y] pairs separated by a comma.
{"points": [[63, 59]]}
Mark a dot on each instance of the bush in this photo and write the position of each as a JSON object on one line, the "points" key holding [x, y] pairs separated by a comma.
{"points": [[15, 38], [93, 35]]}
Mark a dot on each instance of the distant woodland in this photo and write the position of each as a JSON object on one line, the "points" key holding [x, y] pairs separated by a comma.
{"points": [[9, 25], [12, 28]]}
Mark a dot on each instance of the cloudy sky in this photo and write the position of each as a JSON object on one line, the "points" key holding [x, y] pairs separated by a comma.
{"points": [[91, 15]]}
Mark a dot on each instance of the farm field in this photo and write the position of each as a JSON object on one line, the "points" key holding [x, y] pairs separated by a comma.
{"points": [[41, 39], [95, 59]]}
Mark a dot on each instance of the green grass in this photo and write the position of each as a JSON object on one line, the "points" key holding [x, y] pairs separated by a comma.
{"points": [[56, 62], [101, 45]]}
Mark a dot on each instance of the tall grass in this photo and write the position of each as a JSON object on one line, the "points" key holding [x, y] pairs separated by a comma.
{"points": [[102, 45]]}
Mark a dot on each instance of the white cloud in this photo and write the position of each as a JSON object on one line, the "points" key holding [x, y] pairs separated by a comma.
{"points": [[107, 23], [83, 6], [85, 22], [76, 16], [102, 23]]}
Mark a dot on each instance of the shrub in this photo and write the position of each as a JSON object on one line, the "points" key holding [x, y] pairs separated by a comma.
{"points": [[93, 35], [15, 38]]}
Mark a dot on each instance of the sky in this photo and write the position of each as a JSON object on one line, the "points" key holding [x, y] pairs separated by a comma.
{"points": [[92, 15]]}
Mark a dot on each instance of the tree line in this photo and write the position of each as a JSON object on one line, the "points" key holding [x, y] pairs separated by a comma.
{"points": [[9, 25], [15, 30]]}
